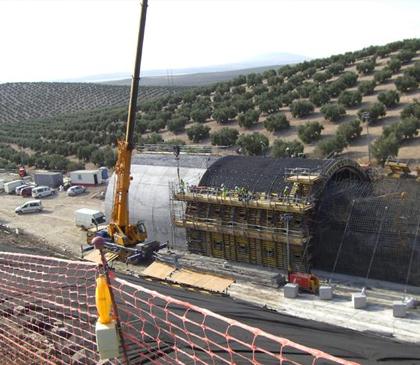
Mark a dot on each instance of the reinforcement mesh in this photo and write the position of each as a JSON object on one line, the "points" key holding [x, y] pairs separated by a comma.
{"points": [[48, 316], [370, 229]]}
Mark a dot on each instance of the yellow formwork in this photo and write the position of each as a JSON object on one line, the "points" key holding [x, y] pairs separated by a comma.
{"points": [[283, 205], [297, 239]]}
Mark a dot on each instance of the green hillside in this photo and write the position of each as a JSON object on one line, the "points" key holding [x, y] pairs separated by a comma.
{"points": [[351, 103], [30, 100]]}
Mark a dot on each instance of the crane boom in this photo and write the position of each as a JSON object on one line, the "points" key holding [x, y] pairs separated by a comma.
{"points": [[120, 229]]}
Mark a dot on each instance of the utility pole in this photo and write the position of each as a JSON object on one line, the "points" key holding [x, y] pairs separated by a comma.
{"points": [[287, 218], [366, 118]]}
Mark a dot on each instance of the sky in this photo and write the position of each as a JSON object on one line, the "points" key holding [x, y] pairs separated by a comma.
{"points": [[45, 40]]}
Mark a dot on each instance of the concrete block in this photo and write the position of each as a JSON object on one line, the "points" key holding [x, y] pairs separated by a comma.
{"points": [[399, 309], [359, 300], [325, 292], [291, 290], [107, 340]]}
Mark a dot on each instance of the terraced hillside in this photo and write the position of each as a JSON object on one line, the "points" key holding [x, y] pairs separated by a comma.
{"points": [[30, 100], [353, 104]]}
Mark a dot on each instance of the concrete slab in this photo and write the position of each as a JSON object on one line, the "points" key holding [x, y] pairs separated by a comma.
{"points": [[376, 318]]}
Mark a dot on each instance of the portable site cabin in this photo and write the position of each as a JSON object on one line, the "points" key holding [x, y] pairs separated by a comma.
{"points": [[51, 179], [86, 177], [10, 186]]}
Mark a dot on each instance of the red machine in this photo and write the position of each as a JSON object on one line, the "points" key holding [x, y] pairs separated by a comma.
{"points": [[306, 282], [22, 171]]}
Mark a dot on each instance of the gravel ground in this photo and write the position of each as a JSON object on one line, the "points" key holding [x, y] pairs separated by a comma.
{"points": [[54, 226]]}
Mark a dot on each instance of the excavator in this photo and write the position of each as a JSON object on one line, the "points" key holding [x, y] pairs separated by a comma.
{"points": [[124, 240]]}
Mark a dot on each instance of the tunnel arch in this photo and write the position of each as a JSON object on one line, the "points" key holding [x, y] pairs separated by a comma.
{"points": [[266, 174]]}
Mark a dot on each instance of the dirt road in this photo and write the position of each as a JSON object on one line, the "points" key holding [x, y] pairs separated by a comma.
{"points": [[55, 224]]}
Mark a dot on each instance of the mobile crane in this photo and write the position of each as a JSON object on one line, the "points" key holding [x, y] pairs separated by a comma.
{"points": [[127, 240]]}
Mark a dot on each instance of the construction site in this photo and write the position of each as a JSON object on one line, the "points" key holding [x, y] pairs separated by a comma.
{"points": [[206, 256], [235, 227]]}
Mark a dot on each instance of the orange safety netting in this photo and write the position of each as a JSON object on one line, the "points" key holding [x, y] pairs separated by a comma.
{"points": [[48, 316]]}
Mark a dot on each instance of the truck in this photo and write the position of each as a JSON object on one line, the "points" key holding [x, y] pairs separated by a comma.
{"points": [[10, 187], [88, 218]]}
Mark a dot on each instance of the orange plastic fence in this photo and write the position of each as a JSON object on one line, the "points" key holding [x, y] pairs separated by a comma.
{"points": [[48, 316]]}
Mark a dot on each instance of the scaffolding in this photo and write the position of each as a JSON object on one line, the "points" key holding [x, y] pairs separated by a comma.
{"points": [[267, 228]]}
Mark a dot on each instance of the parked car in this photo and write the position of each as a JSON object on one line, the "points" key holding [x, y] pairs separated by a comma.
{"points": [[33, 206], [19, 188], [75, 190], [27, 192], [42, 192]]}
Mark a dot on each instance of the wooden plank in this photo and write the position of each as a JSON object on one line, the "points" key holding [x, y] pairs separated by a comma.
{"points": [[159, 270], [204, 281], [94, 256]]}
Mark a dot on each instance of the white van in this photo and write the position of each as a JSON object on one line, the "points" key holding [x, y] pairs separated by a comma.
{"points": [[33, 206], [42, 192], [87, 218]]}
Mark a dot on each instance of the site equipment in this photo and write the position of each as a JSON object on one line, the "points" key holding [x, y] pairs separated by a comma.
{"points": [[22, 171], [306, 282], [122, 237], [396, 169], [120, 229]]}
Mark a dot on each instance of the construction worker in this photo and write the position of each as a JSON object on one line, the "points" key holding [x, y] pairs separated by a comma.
{"points": [[224, 191], [182, 186]]}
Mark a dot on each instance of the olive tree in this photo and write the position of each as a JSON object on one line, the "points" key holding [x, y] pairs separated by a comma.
{"points": [[389, 98], [333, 112], [248, 119], [253, 144], [384, 147], [301, 108], [282, 148], [224, 137], [406, 83], [197, 132], [375, 112], [310, 132], [331, 144], [350, 98], [366, 87], [350, 130], [276, 122]]}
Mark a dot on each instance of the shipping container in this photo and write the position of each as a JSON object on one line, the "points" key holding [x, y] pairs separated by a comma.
{"points": [[51, 179], [86, 177]]}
